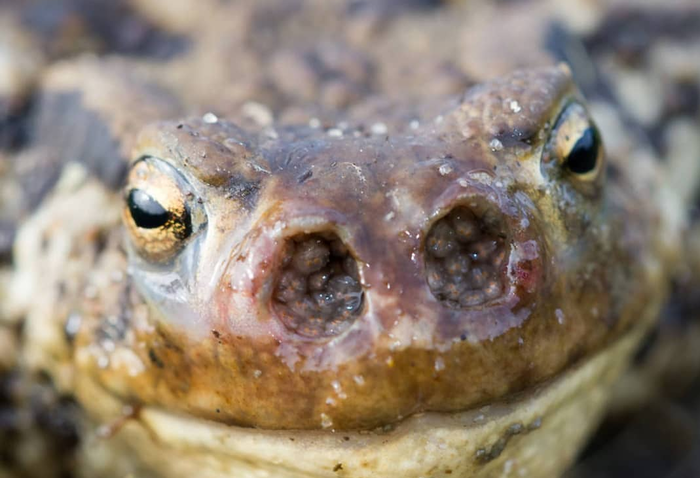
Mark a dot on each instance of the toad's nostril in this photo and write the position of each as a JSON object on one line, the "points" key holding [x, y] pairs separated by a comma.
{"points": [[318, 291], [465, 253]]}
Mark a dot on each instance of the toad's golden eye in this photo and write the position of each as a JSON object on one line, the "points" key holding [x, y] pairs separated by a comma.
{"points": [[576, 144], [156, 211]]}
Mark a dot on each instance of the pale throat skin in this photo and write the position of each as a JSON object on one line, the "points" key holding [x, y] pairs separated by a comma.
{"points": [[450, 279]]}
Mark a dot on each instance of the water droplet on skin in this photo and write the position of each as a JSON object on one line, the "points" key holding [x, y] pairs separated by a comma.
{"points": [[73, 324], [210, 118], [379, 129], [445, 169], [439, 364], [496, 145], [326, 421], [560, 316]]}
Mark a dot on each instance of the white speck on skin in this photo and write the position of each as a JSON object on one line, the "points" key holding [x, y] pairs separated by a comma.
{"points": [[445, 169], [415, 124], [335, 133], [314, 123], [259, 168], [128, 360], [359, 379], [496, 145], [210, 118], [463, 182], [515, 106], [326, 421], [271, 133], [258, 112], [257, 374], [508, 466], [389, 216], [560, 316], [439, 364], [379, 129], [73, 323]]}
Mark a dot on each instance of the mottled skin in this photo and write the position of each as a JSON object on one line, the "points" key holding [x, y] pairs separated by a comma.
{"points": [[349, 139], [380, 194]]}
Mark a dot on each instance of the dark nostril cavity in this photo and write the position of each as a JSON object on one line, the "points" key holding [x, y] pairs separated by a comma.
{"points": [[318, 291], [465, 254]]}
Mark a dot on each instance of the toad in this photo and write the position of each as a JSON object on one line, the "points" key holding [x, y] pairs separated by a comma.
{"points": [[334, 238]]}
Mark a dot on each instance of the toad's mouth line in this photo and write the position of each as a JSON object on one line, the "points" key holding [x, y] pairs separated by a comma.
{"points": [[482, 435]]}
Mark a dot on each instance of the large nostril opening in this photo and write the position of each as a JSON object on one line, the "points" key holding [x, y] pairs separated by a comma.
{"points": [[465, 254], [318, 291]]}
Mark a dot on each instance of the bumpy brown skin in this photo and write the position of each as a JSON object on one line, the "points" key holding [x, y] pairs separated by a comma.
{"points": [[362, 140], [226, 356]]}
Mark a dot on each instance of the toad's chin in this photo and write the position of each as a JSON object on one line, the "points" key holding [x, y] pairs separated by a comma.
{"points": [[536, 434]]}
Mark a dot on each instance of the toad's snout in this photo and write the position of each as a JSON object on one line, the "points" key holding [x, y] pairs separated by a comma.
{"points": [[317, 289], [465, 256], [473, 252]]}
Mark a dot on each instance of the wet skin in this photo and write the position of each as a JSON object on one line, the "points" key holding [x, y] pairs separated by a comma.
{"points": [[408, 327], [356, 241]]}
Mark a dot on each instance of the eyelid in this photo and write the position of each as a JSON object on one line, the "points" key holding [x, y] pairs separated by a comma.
{"points": [[161, 183], [571, 126]]}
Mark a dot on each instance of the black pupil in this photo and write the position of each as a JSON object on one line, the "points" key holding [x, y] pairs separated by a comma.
{"points": [[584, 155], [146, 211]]}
